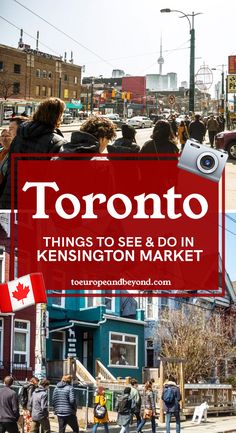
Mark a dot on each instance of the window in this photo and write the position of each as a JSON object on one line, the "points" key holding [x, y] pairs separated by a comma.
{"points": [[16, 88], [74, 94], [2, 265], [38, 73], [110, 303], [66, 78], [1, 66], [66, 93], [37, 90], [58, 302], [57, 345], [44, 74], [123, 349], [44, 91], [1, 340], [75, 80], [17, 68], [149, 310], [49, 92], [21, 342], [49, 75]]}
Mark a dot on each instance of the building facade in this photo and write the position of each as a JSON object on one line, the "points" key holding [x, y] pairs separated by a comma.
{"points": [[91, 329], [17, 330], [33, 75]]}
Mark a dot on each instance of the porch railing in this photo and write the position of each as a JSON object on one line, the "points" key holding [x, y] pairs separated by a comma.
{"points": [[83, 374], [103, 373]]}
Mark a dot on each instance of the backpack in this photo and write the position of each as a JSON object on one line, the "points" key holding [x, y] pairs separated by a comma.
{"points": [[99, 411], [23, 396], [124, 405], [168, 395]]}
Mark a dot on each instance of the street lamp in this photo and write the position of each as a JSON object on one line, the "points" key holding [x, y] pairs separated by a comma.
{"points": [[222, 86], [91, 104], [192, 53]]}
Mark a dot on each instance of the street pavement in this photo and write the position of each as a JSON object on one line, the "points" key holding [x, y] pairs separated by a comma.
{"points": [[222, 424]]}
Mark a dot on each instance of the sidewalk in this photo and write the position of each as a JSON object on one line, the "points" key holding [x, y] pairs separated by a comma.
{"points": [[224, 424]]}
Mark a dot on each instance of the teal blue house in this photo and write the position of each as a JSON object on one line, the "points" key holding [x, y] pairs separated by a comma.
{"points": [[93, 329]]}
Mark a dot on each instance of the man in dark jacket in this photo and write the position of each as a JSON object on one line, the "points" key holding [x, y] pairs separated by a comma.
{"points": [[9, 407], [64, 404], [197, 129], [125, 144], [38, 407], [171, 397]]}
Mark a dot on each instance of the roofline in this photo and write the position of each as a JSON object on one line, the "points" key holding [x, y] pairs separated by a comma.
{"points": [[124, 319]]}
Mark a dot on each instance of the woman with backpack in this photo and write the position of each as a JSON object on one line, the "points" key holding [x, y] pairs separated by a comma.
{"points": [[149, 413], [100, 411], [171, 397], [124, 407]]}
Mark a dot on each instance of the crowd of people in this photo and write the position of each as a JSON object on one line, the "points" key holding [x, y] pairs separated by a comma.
{"points": [[132, 406], [97, 135]]}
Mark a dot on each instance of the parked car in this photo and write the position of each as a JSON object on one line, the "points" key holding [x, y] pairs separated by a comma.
{"points": [[227, 140], [140, 122], [67, 118], [115, 118]]}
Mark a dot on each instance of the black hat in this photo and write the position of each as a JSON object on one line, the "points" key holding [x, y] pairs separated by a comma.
{"points": [[128, 131]]}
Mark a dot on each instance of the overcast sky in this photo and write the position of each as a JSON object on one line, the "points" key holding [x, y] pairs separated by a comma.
{"points": [[126, 33]]}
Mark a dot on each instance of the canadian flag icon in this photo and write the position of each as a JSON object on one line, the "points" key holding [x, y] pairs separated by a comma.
{"points": [[23, 292]]}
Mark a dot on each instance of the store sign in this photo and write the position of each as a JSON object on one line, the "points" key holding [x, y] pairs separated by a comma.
{"points": [[232, 64], [231, 83]]}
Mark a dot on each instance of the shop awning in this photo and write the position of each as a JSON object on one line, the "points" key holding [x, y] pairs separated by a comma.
{"points": [[74, 105]]}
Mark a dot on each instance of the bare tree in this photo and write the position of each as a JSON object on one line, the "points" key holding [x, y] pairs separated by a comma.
{"points": [[201, 338], [6, 86]]}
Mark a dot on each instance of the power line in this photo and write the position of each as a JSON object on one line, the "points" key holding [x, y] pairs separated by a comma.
{"points": [[227, 230], [18, 28], [64, 33], [230, 218]]}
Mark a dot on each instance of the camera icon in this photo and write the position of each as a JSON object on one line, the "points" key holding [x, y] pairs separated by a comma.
{"points": [[202, 160]]}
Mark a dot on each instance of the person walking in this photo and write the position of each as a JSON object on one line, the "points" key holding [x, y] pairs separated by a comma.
{"points": [[100, 410], [125, 144], [162, 140], [213, 128], [174, 125], [38, 407], [9, 407], [124, 408], [93, 137], [25, 395], [40, 135], [136, 397], [171, 397], [197, 129], [64, 404], [149, 413], [183, 134]]}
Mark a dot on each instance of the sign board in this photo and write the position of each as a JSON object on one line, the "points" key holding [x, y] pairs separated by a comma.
{"points": [[231, 83], [171, 99], [232, 64]]}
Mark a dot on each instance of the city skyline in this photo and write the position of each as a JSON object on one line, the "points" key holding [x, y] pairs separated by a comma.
{"points": [[110, 36]]}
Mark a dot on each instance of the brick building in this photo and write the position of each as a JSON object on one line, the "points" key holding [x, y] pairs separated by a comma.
{"points": [[17, 330], [34, 75]]}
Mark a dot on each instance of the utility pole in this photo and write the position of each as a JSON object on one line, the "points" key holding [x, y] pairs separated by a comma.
{"points": [[192, 54], [40, 342]]}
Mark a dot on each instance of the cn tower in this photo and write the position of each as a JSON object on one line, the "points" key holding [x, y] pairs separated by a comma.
{"points": [[160, 61]]}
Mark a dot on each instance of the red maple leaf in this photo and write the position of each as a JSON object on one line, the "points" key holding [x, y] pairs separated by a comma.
{"points": [[21, 292]]}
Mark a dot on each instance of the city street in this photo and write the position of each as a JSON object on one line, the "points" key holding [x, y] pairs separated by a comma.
{"points": [[144, 135]]}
